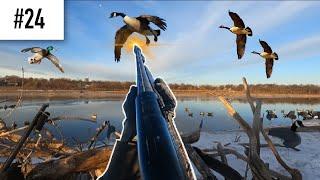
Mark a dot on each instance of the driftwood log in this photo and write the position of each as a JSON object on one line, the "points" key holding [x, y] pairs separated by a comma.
{"points": [[80, 162]]}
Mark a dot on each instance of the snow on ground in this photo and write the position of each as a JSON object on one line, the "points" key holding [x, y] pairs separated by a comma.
{"points": [[307, 160]]}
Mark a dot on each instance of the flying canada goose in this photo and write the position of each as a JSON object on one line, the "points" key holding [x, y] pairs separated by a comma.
{"points": [[290, 137], [39, 54], [268, 55], [241, 31], [139, 25]]}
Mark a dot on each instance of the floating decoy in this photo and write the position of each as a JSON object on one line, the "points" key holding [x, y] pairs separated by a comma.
{"points": [[139, 25], [39, 54], [271, 115], [94, 116], [269, 57], [14, 125], [202, 113], [241, 31], [190, 114], [290, 115], [210, 114], [186, 109], [290, 137]]}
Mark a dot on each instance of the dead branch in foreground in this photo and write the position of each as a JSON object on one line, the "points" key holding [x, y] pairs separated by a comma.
{"points": [[257, 166]]}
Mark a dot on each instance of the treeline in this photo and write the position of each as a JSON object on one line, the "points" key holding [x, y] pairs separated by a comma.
{"points": [[69, 84]]}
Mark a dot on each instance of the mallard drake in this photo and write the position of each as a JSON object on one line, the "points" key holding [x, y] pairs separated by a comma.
{"points": [[39, 54], [241, 31], [136, 24], [268, 55]]}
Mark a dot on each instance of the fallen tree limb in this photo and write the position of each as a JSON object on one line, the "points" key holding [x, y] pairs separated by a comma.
{"points": [[79, 162]]}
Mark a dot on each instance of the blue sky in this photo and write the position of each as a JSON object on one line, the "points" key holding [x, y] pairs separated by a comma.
{"points": [[194, 50]]}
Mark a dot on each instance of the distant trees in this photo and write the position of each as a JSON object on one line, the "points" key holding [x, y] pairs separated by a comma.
{"points": [[71, 84]]}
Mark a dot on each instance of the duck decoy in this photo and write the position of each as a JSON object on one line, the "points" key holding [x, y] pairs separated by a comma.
{"points": [[268, 55], [241, 31], [291, 115], [39, 54], [271, 115], [202, 113], [190, 114], [210, 114], [94, 116], [139, 25]]}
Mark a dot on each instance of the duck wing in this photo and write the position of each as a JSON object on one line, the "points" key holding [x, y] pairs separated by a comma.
{"points": [[32, 49], [55, 61], [121, 37], [237, 21], [269, 65], [241, 45], [266, 47], [155, 20]]}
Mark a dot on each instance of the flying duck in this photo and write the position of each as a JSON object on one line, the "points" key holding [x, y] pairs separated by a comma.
{"points": [[241, 31], [290, 137], [139, 25], [268, 55], [39, 54]]}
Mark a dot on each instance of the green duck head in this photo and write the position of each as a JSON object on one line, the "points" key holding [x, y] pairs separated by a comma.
{"points": [[50, 48]]}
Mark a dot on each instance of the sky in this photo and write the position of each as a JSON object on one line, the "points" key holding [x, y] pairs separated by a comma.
{"points": [[192, 50]]}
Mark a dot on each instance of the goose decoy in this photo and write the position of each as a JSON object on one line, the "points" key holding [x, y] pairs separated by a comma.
{"points": [[39, 54], [139, 25], [290, 137], [241, 31], [271, 115], [291, 115], [268, 55], [94, 116], [210, 114]]}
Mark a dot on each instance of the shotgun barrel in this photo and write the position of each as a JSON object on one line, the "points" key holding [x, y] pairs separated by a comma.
{"points": [[158, 158]]}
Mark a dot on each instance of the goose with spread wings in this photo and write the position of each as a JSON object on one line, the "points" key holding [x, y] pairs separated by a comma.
{"points": [[40, 53], [241, 31], [268, 55], [139, 25]]}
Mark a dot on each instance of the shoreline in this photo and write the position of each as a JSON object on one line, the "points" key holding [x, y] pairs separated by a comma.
{"points": [[180, 94]]}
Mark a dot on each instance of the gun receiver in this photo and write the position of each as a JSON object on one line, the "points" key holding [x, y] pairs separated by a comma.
{"points": [[158, 158]]}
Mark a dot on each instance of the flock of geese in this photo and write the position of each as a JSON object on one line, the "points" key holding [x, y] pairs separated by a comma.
{"points": [[141, 26]]}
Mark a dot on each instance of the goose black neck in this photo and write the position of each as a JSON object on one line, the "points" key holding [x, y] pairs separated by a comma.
{"points": [[121, 14], [254, 52], [224, 27]]}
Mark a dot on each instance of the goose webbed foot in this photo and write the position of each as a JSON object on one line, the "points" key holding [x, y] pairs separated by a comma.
{"points": [[155, 38]]}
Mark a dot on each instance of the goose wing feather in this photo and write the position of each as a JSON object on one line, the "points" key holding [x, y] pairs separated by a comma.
{"points": [[155, 20], [121, 37], [238, 22], [241, 45], [269, 65], [265, 46]]}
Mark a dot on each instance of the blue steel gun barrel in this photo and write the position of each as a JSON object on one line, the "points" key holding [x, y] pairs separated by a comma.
{"points": [[157, 156]]}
